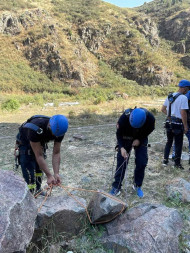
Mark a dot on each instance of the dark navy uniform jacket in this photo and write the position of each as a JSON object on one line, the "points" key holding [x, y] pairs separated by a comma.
{"points": [[126, 132]]}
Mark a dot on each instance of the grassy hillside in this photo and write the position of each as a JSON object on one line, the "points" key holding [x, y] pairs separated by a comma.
{"points": [[85, 49]]}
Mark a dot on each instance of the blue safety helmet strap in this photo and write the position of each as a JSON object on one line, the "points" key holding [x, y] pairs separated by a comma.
{"points": [[137, 117], [184, 83], [58, 125]]}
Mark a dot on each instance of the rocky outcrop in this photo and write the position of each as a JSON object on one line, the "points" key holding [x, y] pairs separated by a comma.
{"points": [[18, 212], [178, 189], [13, 24], [9, 24], [182, 47], [148, 75], [177, 27], [47, 59], [92, 37], [186, 61], [148, 28], [145, 228], [29, 18]]}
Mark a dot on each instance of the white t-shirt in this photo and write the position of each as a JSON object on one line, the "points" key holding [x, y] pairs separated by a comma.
{"points": [[180, 103]]}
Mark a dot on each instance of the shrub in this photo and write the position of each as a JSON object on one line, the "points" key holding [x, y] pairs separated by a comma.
{"points": [[72, 114], [10, 105]]}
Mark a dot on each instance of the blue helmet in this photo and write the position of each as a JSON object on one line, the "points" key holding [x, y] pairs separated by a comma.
{"points": [[58, 125], [188, 94], [184, 83], [137, 117]]}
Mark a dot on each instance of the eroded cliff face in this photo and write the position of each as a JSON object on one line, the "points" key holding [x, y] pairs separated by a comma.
{"points": [[177, 29]]}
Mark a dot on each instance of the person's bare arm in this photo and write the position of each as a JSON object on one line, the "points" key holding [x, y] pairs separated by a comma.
{"points": [[56, 161], [163, 109], [38, 151], [184, 120]]}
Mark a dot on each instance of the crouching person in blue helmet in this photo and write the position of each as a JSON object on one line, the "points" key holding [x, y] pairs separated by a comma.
{"points": [[32, 139], [133, 128]]}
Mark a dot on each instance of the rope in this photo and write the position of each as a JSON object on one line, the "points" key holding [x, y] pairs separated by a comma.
{"points": [[80, 189], [49, 190]]}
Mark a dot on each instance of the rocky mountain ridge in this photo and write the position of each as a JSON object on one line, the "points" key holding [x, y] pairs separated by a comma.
{"points": [[68, 49]]}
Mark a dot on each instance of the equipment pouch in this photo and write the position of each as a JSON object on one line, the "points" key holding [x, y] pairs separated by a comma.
{"points": [[177, 128], [167, 125]]}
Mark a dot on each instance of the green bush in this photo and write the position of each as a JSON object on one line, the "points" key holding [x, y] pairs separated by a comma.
{"points": [[10, 105], [99, 100]]}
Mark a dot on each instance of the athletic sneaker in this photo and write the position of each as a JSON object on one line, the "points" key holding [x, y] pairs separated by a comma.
{"points": [[115, 192], [139, 191], [165, 162]]}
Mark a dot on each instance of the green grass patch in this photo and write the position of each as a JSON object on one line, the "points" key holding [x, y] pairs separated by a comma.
{"points": [[10, 105]]}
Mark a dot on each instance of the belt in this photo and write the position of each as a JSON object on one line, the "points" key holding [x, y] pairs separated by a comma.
{"points": [[174, 120], [127, 138], [26, 152]]}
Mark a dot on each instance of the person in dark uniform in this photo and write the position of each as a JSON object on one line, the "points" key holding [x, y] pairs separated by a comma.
{"points": [[133, 128], [32, 140]]}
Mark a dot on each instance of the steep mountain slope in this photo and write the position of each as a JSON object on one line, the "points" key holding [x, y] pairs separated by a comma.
{"points": [[50, 45], [173, 19]]}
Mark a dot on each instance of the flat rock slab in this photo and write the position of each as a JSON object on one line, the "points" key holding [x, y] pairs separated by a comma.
{"points": [[145, 228]]}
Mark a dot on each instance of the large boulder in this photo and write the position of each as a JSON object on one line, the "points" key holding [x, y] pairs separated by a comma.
{"points": [[178, 189], [145, 228], [60, 214], [18, 212], [104, 207]]}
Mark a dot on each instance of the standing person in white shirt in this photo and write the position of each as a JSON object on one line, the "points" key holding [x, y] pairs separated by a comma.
{"points": [[175, 107]]}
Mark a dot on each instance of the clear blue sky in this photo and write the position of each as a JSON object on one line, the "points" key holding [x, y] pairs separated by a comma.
{"points": [[127, 3]]}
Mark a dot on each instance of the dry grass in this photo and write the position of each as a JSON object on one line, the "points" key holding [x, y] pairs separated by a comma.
{"points": [[104, 109]]}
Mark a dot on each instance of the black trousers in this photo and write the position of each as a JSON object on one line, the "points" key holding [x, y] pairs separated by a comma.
{"points": [[141, 160], [178, 138], [30, 169]]}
